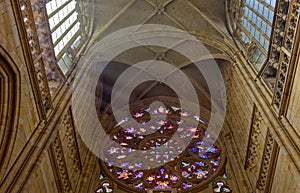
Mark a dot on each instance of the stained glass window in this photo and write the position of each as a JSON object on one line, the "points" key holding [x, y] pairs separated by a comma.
{"points": [[64, 26], [256, 27], [105, 186], [193, 165], [220, 186]]}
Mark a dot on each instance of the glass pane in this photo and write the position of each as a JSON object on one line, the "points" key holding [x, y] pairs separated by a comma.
{"points": [[257, 20], [63, 22]]}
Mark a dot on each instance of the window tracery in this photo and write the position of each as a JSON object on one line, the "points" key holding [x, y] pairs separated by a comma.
{"points": [[283, 53], [105, 185], [220, 186], [55, 17], [193, 166]]}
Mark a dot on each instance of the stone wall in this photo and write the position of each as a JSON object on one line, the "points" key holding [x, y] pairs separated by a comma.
{"points": [[259, 141], [44, 152], [293, 112], [11, 49]]}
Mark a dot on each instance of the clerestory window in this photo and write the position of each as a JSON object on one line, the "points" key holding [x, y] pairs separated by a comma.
{"points": [[256, 27], [64, 25]]}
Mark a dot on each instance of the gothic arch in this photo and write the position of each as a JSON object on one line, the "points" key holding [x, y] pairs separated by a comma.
{"points": [[9, 108]]}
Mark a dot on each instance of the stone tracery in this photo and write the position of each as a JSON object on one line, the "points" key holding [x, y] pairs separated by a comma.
{"points": [[193, 167]]}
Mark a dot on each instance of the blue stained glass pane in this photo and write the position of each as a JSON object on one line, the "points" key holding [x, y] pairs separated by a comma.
{"points": [[193, 149]]}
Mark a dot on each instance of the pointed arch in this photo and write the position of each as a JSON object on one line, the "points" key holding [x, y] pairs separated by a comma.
{"points": [[9, 108]]}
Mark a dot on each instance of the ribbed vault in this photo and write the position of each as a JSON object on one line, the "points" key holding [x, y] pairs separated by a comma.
{"points": [[202, 19]]}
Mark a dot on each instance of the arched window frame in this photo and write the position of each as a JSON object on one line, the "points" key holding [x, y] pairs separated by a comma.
{"points": [[255, 29], [10, 93], [65, 27]]}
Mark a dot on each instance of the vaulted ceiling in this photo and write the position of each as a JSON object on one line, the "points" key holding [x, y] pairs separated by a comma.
{"points": [[204, 19], [199, 17]]}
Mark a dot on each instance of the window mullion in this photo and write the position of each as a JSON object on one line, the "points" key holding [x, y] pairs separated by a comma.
{"points": [[266, 5], [59, 8], [258, 14], [257, 28], [261, 48], [62, 21], [65, 33], [60, 54]]}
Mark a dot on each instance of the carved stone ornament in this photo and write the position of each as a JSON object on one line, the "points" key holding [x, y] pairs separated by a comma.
{"points": [[253, 152], [33, 42]]}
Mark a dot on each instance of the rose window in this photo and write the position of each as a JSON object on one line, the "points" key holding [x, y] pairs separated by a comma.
{"points": [[180, 168]]}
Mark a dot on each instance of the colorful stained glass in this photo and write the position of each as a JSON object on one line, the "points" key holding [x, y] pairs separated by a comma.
{"points": [[180, 129], [122, 122], [193, 129], [185, 174], [200, 120], [139, 186], [201, 174], [200, 161], [162, 185], [143, 130], [124, 144], [174, 179], [113, 150], [212, 149], [221, 187], [196, 136], [138, 115], [130, 130], [192, 168], [215, 163], [187, 185], [201, 164], [124, 164], [125, 174], [170, 126], [101, 176], [105, 187], [185, 164], [150, 179], [184, 114], [161, 122], [99, 190], [161, 110], [193, 149], [179, 122], [175, 108], [139, 175], [204, 155], [121, 156], [109, 164]]}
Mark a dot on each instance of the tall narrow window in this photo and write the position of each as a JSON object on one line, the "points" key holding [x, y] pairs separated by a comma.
{"points": [[256, 27], [64, 26]]}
